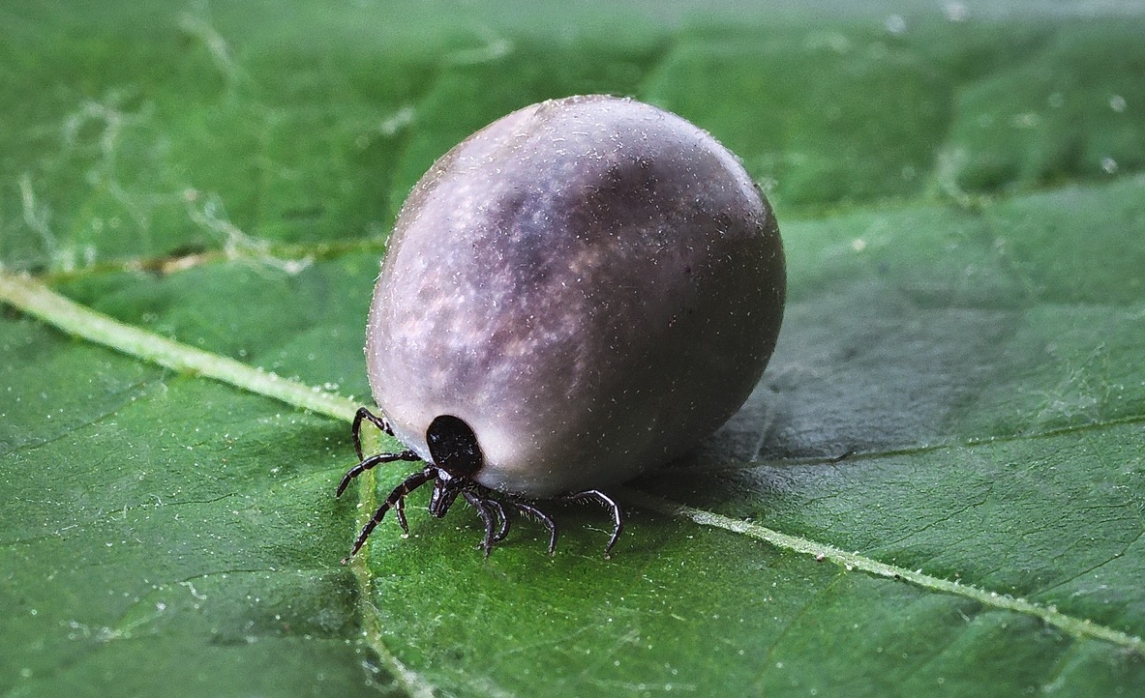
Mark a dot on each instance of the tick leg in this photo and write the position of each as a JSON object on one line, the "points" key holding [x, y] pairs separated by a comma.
{"points": [[504, 518], [485, 508], [608, 503], [400, 512], [356, 429], [394, 501], [372, 462], [537, 515]]}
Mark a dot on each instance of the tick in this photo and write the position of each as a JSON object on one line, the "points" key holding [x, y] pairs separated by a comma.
{"points": [[574, 295]]}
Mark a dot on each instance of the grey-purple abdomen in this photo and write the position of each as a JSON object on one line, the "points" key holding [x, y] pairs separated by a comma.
{"points": [[592, 284]]}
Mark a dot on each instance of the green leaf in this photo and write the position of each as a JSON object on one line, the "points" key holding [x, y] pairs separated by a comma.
{"points": [[937, 489]]}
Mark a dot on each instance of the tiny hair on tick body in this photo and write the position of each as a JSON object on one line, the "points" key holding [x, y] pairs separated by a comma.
{"points": [[571, 297]]}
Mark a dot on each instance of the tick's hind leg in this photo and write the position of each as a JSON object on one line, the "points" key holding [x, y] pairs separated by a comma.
{"points": [[608, 503], [493, 510], [356, 428], [536, 514]]}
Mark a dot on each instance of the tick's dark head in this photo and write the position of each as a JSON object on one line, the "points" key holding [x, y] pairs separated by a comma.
{"points": [[453, 447], [457, 457]]}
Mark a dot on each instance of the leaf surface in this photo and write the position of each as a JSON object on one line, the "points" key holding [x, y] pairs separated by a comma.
{"points": [[937, 489]]}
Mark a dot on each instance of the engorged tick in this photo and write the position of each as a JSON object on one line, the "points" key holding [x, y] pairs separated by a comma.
{"points": [[574, 295]]}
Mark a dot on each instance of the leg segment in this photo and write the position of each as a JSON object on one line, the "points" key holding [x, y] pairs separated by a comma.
{"points": [[504, 518], [356, 429], [400, 512], [537, 515], [371, 462], [394, 501], [608, 503], [489, 510]]}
